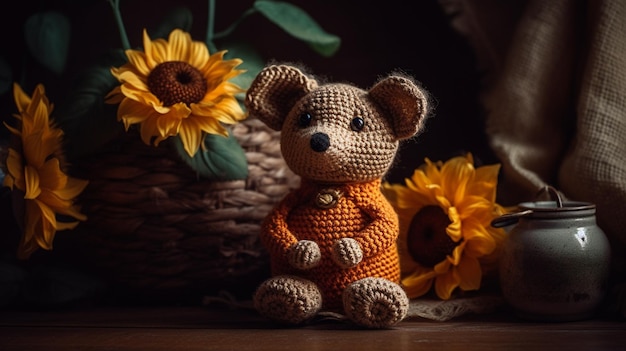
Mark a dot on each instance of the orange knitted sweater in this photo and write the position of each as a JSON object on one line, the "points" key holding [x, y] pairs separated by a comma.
{"points": [[362, 213]]}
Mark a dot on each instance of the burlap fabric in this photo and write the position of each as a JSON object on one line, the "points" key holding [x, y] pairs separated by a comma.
{"points": [[555, 96]]}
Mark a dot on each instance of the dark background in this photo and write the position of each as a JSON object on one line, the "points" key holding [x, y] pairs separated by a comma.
{"points": [[377, 38]]}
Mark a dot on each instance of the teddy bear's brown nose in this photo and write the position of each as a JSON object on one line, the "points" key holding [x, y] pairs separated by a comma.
{"points": [[320, 142]]}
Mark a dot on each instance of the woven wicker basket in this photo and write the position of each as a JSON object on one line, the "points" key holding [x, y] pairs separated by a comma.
{"points": [[158, 232]]}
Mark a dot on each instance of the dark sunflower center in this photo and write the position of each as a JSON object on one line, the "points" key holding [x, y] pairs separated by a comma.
{"points": [[427, 240], [175, 81]]}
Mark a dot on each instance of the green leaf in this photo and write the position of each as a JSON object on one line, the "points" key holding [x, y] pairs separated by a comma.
{"points": [[180, 17], [47, 36], [300, 25], [6, 76], [222, 159], [89, 122]]}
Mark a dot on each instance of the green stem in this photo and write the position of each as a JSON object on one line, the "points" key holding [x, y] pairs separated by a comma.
{"points": [[210, 27], [115, 4]]}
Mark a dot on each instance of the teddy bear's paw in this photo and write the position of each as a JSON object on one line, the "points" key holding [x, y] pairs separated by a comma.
{"points": [[375, 303], [288, 299], [305, 254], [347, 252]]}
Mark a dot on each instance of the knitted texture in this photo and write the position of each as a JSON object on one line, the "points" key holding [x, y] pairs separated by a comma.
{"points": [[362, 214], [288, 299], [350, 156], [375, 302], [336, 234]]}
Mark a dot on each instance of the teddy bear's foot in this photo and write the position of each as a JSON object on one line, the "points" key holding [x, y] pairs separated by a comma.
{"points": [[375, 303], [288, 299]]}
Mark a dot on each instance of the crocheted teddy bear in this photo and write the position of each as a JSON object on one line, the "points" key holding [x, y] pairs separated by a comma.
{"points": [[332, 241]]}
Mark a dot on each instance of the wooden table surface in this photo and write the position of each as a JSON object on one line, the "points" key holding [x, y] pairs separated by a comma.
{"points": [[225, 328]]}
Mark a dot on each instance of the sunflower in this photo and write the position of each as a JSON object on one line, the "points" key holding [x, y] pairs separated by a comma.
{"points": [[445, 211], [34, 170], [174, 88]]}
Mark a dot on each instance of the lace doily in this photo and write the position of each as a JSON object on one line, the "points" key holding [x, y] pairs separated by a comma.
{"points": [[440, 310]]}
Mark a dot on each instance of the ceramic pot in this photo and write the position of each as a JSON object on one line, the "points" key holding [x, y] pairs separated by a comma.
{"points": [[555, 263]]}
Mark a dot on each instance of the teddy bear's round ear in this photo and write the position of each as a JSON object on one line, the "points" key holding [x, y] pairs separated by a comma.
{"points": [[404, 101], [274, 91]]}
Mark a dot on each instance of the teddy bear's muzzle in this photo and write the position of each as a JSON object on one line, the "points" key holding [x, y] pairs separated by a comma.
{"points": [[320, 142]]}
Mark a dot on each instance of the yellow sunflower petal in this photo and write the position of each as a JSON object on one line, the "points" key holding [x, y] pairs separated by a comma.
{"points": [[67, 225], [217, 106], [479, 242], [31, 177], [217, 69], [470, 274], [490, 261], [198, 54], [37, 231], [418, 283], [422, 186], [22, 100], [32, 218], [72, 189], [134, 86], [445, 284], [443, 266], [431, 171], [455, 228], [137, 60], [147, 44], [39, 108], [51, 175], [191, 138], [224, 109], [45, 241], [476, 207], [169, 124], [8, 182], [14, 167], [419, 180], [178, 46], [131, 112], [467, 196], [408, 198], [149, 51], [54, 199], [33, 149], [229, 88], [485, 182], [149, 131], [47, 215], [48, 191], [51, 200], [457, 254], [115, 96], [209, 126], [456, 174]]}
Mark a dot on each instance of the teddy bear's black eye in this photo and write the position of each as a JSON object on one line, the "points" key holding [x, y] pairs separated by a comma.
{"points": [[304, 120], [357, 124]]}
